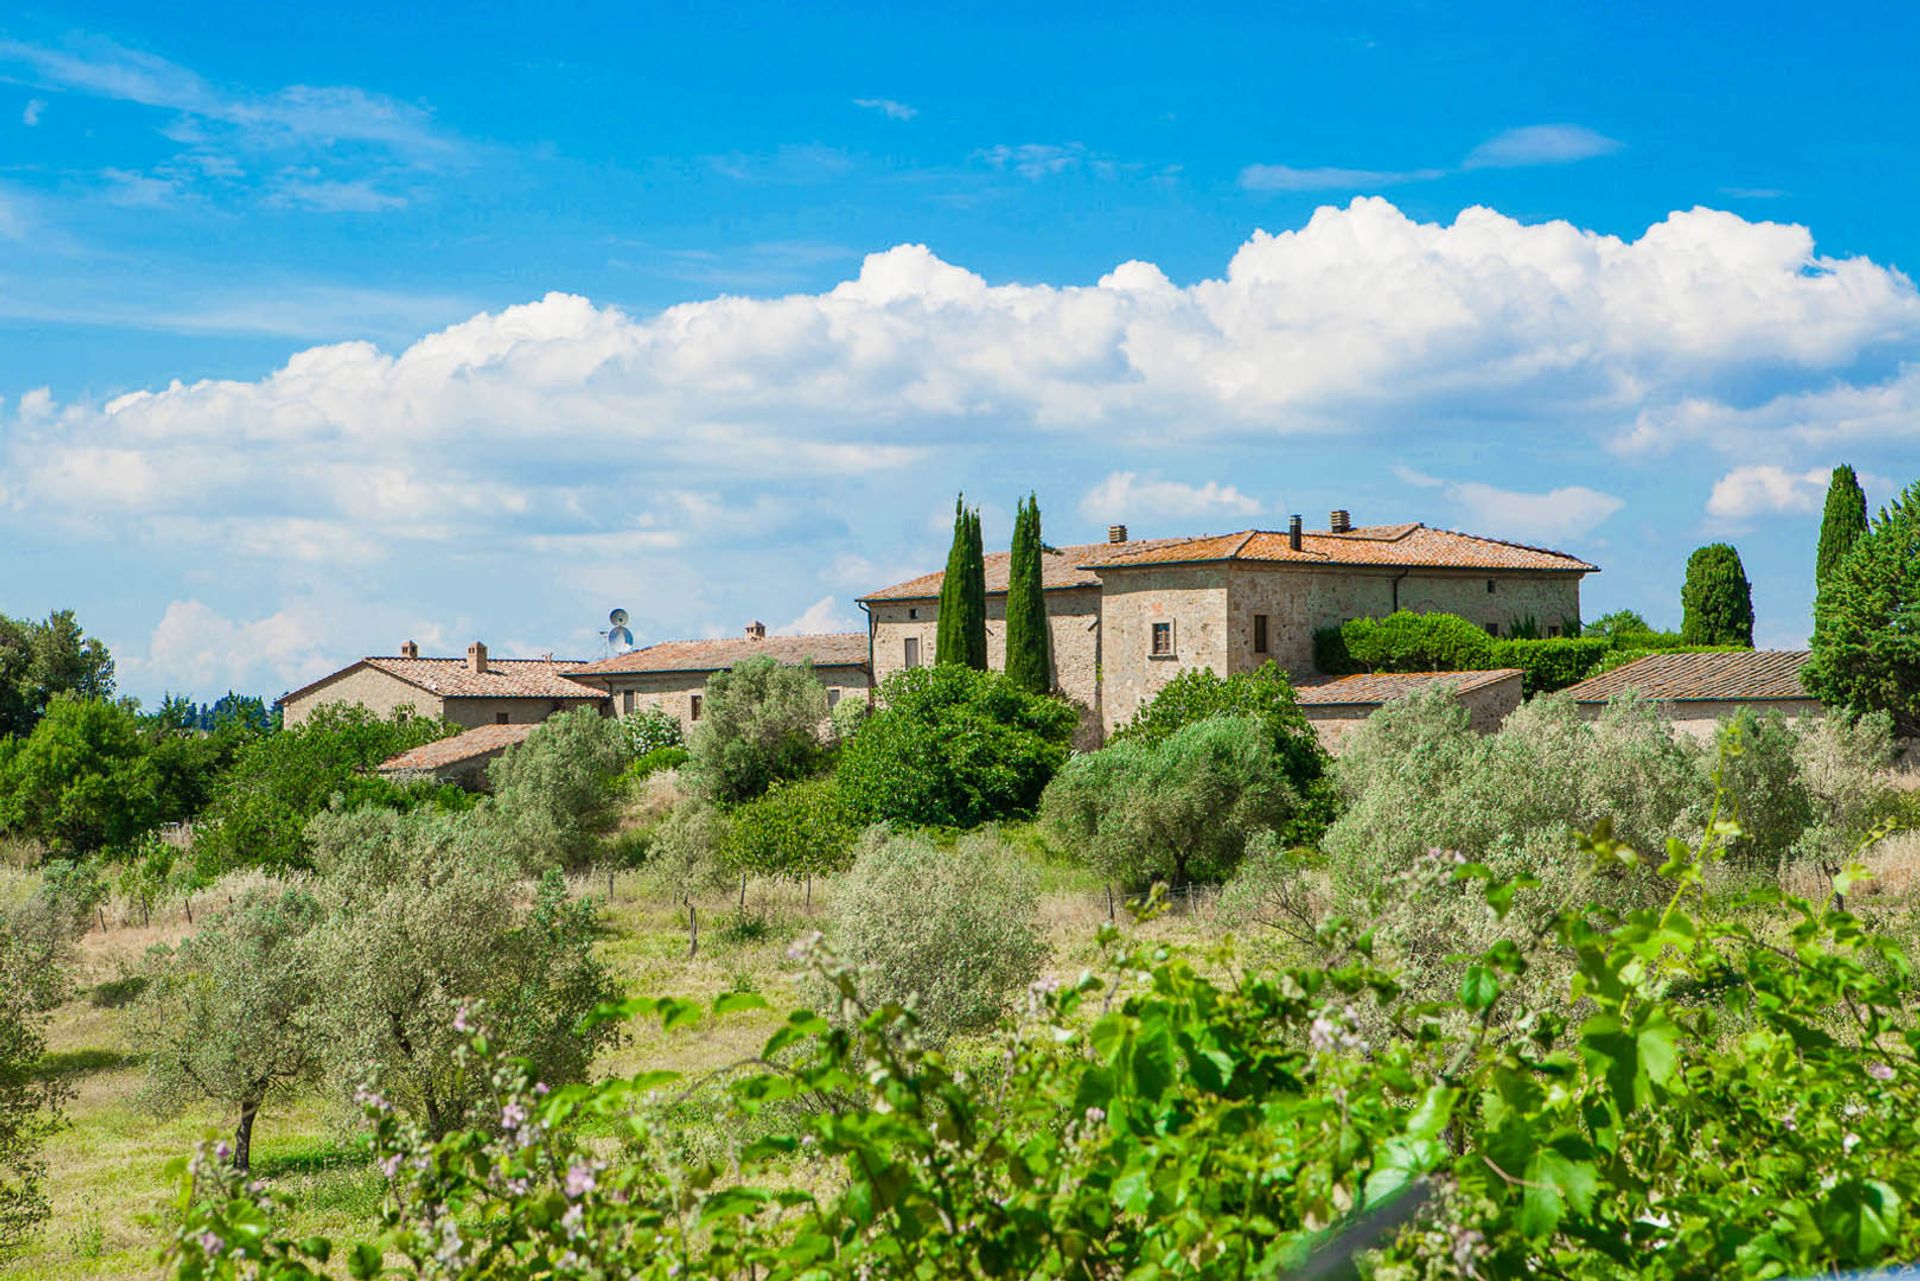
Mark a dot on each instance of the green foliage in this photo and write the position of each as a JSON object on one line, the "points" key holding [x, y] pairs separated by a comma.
{"points": [[81, 781], [1410, 642], [1693, 1099], [650, 730], [1551, 663], [261, 805], [1620, 623], [426, 935], [230, 1014], [1761, 787], [29, 1100], [847, 717], [953, 747], [1716, 601], [40, 661], [760, 724], [1866, 643], [1029, 644], [1841, 524], [1183, 807], [961, 631], [554, 793], [1199, 693], [795, 831], [658, 761], [689, 848], [949, 930]]}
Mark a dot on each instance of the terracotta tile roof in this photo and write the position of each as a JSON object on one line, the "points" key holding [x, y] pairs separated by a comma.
{"points": [[481, 740], [1063, 567], [833, 649], [1754, 675], [1412, 545], [1374, 688], [450, 678]]}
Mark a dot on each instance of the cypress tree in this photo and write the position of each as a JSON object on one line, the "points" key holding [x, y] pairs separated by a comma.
{"points": [[950, 636], [1716, 602], [1845, 520], [1029, 647], [1866, 651], [976, 570]]}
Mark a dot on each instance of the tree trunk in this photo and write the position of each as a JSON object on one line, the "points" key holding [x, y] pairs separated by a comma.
{"points": [[189, 909], [609, 885], [809, 892], [243, 1133], [743, 893], [1109, 902], [693, 929]]}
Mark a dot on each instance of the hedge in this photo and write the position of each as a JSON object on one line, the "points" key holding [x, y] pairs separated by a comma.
{"points": [[1553, 663]]}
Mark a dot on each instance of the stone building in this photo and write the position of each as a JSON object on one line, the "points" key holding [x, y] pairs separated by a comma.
{"points": [[461, 759], [1126, 615], [475, 690], [672, 675], [1696, 692], [1335, 705]]}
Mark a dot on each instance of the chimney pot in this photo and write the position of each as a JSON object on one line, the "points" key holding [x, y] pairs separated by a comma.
{"points": [[1339, 521], [756, 630], [409, 649], [1116, 533], [1293, 532], [477, 658]]}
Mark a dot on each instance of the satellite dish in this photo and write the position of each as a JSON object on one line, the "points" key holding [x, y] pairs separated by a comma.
{"points": [[619, 619], [619, 637]]}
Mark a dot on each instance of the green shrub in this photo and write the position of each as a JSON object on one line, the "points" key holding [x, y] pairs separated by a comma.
{"points": [[1199, 694], [554, 794], [658, 761], [1408, 642], [950, 929], [689, 848], [1866, 646], [795, 832], [954, 747], [1330, 654], [1550, 664], [760, 725], [649, 730]]}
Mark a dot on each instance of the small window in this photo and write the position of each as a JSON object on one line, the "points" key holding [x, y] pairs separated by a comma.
{"points": [[913, 613], [626, 702], [1163, 640], [499, 718], [913, 651], [1493, 629], [1259, 633], [695, 704], [1489, 587], [1553, 629], [833, 698]]}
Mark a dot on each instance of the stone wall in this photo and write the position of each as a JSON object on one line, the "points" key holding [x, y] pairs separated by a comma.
{"points": [[468, 712], [1552, 601], [1701, 718], [370, 687], [1487, 708], [1191, 597], [672, 692]]}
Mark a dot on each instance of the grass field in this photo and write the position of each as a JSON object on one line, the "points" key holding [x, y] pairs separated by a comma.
{"points": [[113, 1169]]}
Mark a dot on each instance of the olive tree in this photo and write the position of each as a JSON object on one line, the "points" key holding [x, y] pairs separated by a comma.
{"points": [[760, 724], [229, 1015], [428, 937], [29, 1103], [555, 794]]}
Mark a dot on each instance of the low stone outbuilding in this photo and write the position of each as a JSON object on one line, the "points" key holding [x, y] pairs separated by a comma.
{"points": [[1336, 705], [1696, 692], [672, 675], [475, 690], [461, 759]]}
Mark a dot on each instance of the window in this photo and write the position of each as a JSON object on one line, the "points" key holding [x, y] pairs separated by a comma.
{"points": [[1493, 629], [1553, 629], [626, 702], [1489, 587], [913, 613], [833, 698], [1259, 633], [694, 701], [499, 718], [913, 651], [1163, 640]]}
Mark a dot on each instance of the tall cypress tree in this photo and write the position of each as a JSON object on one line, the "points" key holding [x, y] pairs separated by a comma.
{"points": [[950, 644], [976, 570], [1029, 647], [1716, 602], [1845, 520]]}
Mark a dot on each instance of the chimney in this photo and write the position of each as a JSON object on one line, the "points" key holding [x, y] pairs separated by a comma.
{"points": [[756, 630], [1293, 532], [1338, 521], [409, 649], [1116, 533], [477, 658]]}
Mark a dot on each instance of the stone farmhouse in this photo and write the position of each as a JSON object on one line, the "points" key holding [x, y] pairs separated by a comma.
{"points": [[1696, 692], [1126, 615], [475, 690], [672, 675]]}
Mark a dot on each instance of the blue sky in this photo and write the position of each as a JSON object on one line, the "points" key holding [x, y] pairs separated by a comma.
{"points": [[323, 328]]}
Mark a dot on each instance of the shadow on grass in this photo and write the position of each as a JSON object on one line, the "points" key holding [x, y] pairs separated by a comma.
{"points": [[62, 1064], [316, 1157]]}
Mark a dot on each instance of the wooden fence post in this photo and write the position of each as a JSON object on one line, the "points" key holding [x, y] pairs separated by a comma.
{"points": [[693, 929]]}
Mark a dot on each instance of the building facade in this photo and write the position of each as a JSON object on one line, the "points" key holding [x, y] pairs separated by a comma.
{"points": [[1698, 692], [1126, 615], [672, 676], [475, 690]]}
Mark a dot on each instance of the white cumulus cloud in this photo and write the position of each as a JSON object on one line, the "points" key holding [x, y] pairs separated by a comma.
{"points": [[1562, 513], [1123, 495], [824, 615], [1757, 488]]}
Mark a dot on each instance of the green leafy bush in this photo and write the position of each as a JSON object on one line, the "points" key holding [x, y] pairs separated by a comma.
{"points": [[1408, 642], [797, 831], [1694, 1100], [658, 761], [554, 794], [81, 781], [1549, 664], [954, 747], [29, 1100], [650, 730], [1198, 694], [950, 930], [761, 724], [1866, 647]]}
